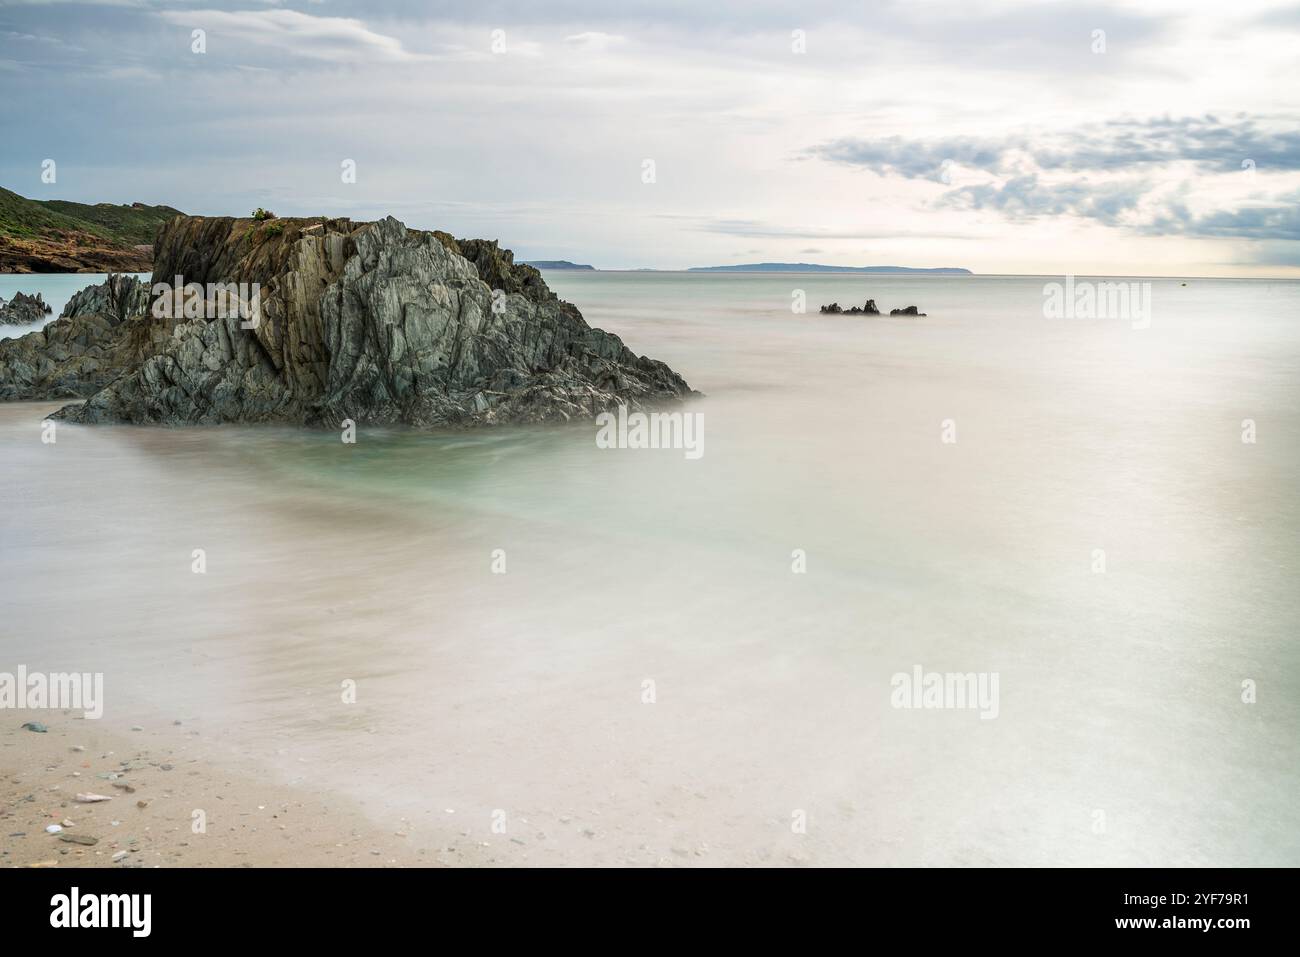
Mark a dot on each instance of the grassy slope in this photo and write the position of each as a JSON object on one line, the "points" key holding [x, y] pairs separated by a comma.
{"points": [[125, 225]]}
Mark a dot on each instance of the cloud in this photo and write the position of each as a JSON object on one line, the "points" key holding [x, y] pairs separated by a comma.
{"points": [[1025, 197], [984, 124], [124, 73], [595, 40], [757, 229], [915, 159], [321, 38], [1116, 145], [1276, 220], [1125, 173]]}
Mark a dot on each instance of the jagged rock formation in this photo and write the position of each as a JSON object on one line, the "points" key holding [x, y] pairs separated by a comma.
{"points": [[119, 297], [364, 321], [23, 310], [867, 310], [84, 349]]}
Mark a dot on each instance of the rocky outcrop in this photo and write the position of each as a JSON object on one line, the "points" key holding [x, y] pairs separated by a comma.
{"points": [[119, 297], [23, 310], [497, 268], [364, 321], [83, 350], [866, 310]]}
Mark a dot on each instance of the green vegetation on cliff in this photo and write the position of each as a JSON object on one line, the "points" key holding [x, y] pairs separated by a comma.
{"points": [[57, 235]]}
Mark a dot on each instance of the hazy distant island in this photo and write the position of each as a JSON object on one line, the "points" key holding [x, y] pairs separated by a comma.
{"points": [[818, 267], [554, 264]]}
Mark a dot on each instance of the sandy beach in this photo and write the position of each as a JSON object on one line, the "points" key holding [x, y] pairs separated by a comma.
{"points": [[157, 779], [519, 691]]}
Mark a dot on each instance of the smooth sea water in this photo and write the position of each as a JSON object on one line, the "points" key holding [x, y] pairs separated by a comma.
{"points": [[649, 681]]}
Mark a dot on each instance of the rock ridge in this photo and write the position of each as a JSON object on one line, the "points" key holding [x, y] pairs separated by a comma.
{"points": [[371, 322]]}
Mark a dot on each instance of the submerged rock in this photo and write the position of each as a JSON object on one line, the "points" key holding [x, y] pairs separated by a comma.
{"points": [[23, 310], [365, 321]]}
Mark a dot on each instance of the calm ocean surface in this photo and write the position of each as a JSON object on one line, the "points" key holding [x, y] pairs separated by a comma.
{"points": [[1098, 535]]}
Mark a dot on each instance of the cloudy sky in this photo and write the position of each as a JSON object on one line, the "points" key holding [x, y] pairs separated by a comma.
{"points": [[1160, 138]]}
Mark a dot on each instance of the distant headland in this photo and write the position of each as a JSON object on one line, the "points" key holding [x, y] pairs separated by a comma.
{"points": [[817, 267], [58, 236], [555, 264]]}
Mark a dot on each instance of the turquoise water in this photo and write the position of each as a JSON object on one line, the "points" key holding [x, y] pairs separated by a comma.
{"points": [[1120, 690]]}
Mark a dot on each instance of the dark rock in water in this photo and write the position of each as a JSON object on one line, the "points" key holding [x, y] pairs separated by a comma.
{"points": [[23, 310], [364, 321], [867, 310], [83, 350], [906, 311]]}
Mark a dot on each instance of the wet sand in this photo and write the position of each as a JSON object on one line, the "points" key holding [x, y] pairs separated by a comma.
{"points": [[157, 779]]}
